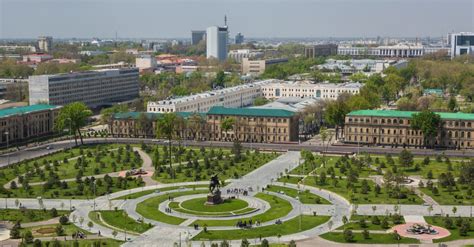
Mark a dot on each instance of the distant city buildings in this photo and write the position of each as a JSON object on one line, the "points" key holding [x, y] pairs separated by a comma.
{"points": [[238, 96], [257, 67], [145, 62], [197, 36], [45, 43], [398, 51], [94, 88], [239, 39], [347, 67], [320, 50], [37, 58], [308, 89], [217, 41], [19, 124], [461, 43]]}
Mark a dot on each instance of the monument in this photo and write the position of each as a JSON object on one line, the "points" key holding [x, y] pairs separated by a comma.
{"points": [[214, 196]]}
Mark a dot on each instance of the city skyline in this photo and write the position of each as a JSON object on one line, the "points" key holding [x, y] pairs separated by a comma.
{"points": [[305, 18]]}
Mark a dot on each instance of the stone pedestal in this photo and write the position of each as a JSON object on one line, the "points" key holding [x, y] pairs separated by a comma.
{"points": [[214, 198]]}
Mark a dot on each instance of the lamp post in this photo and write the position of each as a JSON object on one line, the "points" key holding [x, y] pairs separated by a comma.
{"points": [[8, 146]]}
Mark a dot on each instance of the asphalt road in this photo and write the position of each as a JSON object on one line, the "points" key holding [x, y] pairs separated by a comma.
{"points": [[41, 150]]}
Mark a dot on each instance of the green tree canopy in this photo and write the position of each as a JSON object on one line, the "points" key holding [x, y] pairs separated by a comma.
{"points": [[428, 122], [73, 116]]}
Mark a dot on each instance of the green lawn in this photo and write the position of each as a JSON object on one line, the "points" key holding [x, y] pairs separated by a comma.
{"points": [[149, 207], [374, 238], [279, 208], [355, 223], [73, 189], [120, 220], [354, 193], [221, 161], [85, 243], [28, 215], [199, 205], [286, 228], [458, 195], [305, 196], [455, 234], [50, 230], [147, 192]]}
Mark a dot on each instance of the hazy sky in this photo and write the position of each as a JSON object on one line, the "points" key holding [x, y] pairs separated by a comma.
{"points": [[254, 18]]}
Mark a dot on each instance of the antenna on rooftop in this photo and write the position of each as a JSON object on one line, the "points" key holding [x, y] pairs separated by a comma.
{"points": [[225, 20]]}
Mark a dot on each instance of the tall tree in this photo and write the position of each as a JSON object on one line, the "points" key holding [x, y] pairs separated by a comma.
{"points": [[143, 124], [73, 116], [166, 128], [195, 125], [227, 124], [335, 114], [429, 123]]}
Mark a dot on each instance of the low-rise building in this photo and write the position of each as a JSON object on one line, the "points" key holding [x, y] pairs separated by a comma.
{"points": [[94, 88], [237, 96], [240, 54], [308, 89], [252, 125], [18, 124], [398, 50], [145, 62], [393, 128], [37, 58], [320, 50], [257, 67], [461, 44]]}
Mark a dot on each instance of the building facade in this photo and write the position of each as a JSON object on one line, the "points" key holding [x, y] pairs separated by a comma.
{"points": [[18, 124], [197, 36], [398, 51], [393, 128], [45, 43], [320, 50], [240, 54], [308, 89], [238, 96], [256, 67], [252, 125], [144, 62], [239, 39], [94, 88], [462, 43], [217, 41]]}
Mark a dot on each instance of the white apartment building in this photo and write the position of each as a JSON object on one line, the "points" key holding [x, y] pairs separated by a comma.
{"points": [[94, 88], [238, 96], [308, 89], [239, 54], [145, 62], [398, 50], [461, 43]]}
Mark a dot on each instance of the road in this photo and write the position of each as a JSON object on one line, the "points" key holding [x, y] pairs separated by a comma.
{"points": [[41, 150]]}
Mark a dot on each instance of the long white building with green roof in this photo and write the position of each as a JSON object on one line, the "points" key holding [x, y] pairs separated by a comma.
{"points": [[393, 128], [18, 124]]}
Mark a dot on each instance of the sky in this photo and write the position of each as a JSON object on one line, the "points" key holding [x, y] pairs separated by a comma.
{"points": [[253, 18]]}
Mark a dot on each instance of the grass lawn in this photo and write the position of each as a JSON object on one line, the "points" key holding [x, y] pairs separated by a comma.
{"points": [[355, 223], [50, 230], [199, 205], [147, 192], [455, 234], [374, 238], [305, 197], [287, 227], [149, 207], [85, 243], [279, 208], [222, 162], [459, 195], [73, 189], [28, 215], [120, 220], [32, 166], [355, 195]]}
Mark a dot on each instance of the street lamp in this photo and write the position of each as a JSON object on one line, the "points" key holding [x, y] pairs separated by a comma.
{"points": [[8, 146], [298, 199]]}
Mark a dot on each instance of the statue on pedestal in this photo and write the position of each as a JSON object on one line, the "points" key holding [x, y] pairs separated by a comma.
{"points": [[214, 196]]}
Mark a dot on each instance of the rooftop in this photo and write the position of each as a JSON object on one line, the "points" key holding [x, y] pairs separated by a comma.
{"points": [[408, 114], [25, 109], [220, 110], [151, 115]]}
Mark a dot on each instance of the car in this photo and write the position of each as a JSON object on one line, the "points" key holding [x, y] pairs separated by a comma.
{"points": [[157, 191], [49, 147]]}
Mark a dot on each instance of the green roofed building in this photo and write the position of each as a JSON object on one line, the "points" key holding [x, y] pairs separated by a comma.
{"points": [[18, 124], [393, 128], [247, 124]]}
